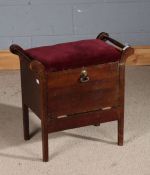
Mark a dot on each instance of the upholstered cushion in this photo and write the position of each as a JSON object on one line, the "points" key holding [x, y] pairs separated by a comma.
{"points": [[75, 54]]}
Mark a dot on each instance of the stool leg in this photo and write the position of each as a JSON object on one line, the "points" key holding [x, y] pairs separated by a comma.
{"points": [[45, 142], [121, 130], [26, 122]]}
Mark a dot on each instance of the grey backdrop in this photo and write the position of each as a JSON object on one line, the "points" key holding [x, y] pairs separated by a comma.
{"points": [[33, 23]]}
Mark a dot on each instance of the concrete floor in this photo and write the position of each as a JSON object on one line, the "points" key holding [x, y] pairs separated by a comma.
{"points": [[83, 151]]}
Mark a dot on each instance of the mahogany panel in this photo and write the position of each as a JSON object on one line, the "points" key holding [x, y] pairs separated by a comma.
{"points": [[67, 95], [30, 89]]}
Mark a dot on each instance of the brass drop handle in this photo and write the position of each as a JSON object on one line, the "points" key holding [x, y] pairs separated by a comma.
{"points": [[84, 76]]}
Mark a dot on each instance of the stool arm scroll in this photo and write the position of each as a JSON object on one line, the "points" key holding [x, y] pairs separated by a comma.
{"points": [[125, 49], [105, 37], [17, 50]]}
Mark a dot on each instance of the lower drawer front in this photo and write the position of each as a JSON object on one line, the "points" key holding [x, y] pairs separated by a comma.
{"points": [[67, 95]]}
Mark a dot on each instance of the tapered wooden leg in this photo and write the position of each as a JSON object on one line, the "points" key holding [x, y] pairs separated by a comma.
{"points": [[120, 131], [45, 142], [26, 122], [121, 126]]}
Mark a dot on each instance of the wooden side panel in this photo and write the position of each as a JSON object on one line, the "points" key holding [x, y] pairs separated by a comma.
{"points": [[67, 95], [30, 88]]}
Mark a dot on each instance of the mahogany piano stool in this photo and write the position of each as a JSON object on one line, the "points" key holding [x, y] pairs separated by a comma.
{"points": [[73, 84]]}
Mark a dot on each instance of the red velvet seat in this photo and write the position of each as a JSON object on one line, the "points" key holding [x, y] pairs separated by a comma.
{"points": [[75, 54]]}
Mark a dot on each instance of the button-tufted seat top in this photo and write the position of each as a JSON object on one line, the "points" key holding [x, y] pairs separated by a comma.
{"points": [[74, 54]]}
